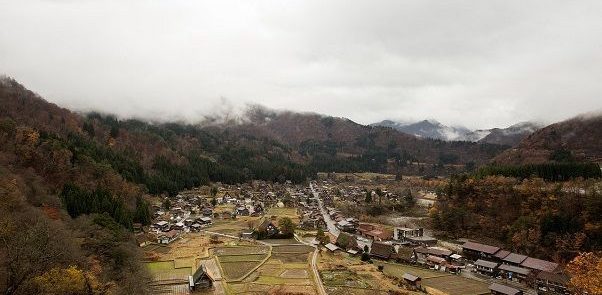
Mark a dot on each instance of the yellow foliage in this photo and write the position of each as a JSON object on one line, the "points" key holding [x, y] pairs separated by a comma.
{"points": [[586, 273], [70, 281]]}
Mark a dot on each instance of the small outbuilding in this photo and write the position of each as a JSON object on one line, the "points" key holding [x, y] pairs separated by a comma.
{"points": [[412, 279], [499, 289]]}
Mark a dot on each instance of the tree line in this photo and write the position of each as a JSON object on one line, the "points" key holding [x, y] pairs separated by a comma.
{"points": [[547, 171]]}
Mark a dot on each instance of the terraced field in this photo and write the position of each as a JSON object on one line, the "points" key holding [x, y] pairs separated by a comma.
{"points": [[237, 262]]}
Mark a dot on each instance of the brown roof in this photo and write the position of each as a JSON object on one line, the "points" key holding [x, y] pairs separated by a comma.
{"points": [[435, 259], [515, 269], [515, 258], [538, 264], [502, 254], [351, 241], [433, 251], [480, 247], [382, 250], [382, 234], [485, 263], [504, 289], [561, 278], [410, 277], [365, 227]]}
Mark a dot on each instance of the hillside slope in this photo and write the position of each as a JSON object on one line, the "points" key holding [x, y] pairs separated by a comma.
{"points": [[336, 144], [578, 139], [510, 136]]}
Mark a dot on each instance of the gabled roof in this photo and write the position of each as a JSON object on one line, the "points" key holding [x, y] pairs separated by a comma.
{"points": [[515, 269], [485, 263], [435, 259], [264, 225], [560, 278], [433, 251], [504, 289], [480, 247], [539, 264], [382, 250], [502, 254], [410, 277], [352, 241], [515, 258], [331, 247]]}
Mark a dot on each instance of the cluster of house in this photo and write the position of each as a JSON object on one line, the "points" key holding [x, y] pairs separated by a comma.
{"points": [[311, 216], [412, 246], [496, 262]]}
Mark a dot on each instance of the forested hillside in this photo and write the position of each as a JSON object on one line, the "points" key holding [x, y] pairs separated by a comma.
{"points": [[341, 145], [550, 220], [79, 182], [578, 139]]}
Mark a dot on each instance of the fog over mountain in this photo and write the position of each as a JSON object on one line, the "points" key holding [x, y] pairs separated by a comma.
{"points": [[511, 135], [479, 64]]}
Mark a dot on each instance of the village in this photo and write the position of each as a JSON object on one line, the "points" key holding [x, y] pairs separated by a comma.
{"points": [[263, 237]]}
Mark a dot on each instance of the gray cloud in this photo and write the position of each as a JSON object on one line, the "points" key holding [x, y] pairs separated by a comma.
{"points": [[476, 63]]}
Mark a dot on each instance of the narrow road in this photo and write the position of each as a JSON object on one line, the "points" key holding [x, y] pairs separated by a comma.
{"points": [[235, 237], [331, 224], [314, 266]]}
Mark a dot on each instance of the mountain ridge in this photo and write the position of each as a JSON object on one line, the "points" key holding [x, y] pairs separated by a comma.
{"points": [[509, 136]]}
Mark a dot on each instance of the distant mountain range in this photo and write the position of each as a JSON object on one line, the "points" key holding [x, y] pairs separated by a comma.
{"points": [[510, 136]]}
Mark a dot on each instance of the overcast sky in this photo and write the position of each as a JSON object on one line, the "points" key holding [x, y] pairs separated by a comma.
{"points": [[475, 63]]}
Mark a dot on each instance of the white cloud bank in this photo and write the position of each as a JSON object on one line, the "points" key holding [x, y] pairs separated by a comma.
{"points": [[475, 63]]}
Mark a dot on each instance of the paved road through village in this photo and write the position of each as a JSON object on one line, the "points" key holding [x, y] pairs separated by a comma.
{"points": [[332, 227]]}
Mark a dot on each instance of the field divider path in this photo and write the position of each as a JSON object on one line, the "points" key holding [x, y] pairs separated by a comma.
{"points": [[314, 267], [238, 280]]}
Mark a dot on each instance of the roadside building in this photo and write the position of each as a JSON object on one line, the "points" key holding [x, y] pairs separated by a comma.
{"points": [[539, 264], [514, 273], [514, 259], [499, 289], [501, 255], [400, 233], [476, 251], [486, 267], [382, 250], [437, 263], [555, 283], [347, 241]]}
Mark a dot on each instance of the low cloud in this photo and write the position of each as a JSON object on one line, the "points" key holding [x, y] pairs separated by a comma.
{"points": [[480, 64]]}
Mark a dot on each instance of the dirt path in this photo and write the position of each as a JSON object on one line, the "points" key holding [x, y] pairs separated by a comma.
{"points": [[314, 267]]}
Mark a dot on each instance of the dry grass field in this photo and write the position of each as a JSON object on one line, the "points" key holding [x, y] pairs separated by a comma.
{"points": [[444, 282]]}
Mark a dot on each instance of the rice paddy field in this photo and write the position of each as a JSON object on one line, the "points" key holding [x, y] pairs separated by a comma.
{"points": [[169, 271], [237, 262], [287, 270]]}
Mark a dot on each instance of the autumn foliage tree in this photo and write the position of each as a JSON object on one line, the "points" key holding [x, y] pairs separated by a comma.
{"points": [[586, 273]]}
